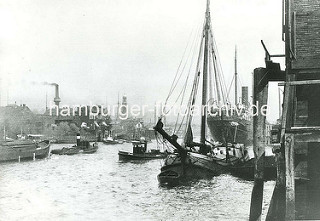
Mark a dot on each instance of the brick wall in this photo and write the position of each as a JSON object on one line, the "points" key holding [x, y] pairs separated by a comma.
{"points": [[306, 41]]}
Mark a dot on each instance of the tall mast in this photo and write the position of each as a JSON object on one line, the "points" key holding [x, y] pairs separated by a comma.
{"points": [[235, 78], [155, 113], [117, 117], [205, 75], [0, 90], [46, 101], [4, 133]]}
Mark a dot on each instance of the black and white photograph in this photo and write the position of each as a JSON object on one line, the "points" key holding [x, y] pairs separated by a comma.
{"points": [[159, 110]]}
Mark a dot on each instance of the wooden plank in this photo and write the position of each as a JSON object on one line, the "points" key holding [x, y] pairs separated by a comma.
{"points": [[290, 183], [266, 75], [301, 130], [287, 114], [260, 95], [277, 55], [307, 137], [306, 71], [295, 83]]}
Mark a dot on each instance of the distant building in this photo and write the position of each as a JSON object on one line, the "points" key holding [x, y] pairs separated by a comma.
{"points": [[19, 119]]}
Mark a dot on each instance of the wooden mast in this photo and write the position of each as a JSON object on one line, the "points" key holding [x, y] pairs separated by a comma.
{"points": [[205, 76], [235, 78]]}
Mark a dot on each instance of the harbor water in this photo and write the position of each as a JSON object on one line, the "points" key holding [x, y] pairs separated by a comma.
{"points": [[100, 187]]}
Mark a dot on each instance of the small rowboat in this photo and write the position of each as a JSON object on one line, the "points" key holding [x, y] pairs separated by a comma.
{"points": [[169, 177]]}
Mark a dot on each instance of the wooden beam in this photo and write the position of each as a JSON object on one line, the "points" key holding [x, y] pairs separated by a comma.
{"points": [[259, 121], [277, 55], [303, 129], [263, 76], [306, 71], [290, 183], [313, 137], [294, 83]]}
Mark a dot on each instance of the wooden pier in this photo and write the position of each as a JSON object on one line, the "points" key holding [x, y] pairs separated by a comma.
{"points": [[296, 194]]}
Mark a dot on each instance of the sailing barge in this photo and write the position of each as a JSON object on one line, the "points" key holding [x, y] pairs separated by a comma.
{"points": [[196, 160], [186, 165]]}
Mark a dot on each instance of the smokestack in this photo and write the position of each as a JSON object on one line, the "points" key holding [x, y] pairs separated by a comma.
{"points": [[57, 98], [245, 96], [124, 105], [78, 139], [124, 100]]}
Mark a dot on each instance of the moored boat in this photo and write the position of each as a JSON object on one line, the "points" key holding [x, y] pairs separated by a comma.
{"points": [[140, 152], [230, 129], [169, 177], [91, 148], [204, 159], [198, 166], [227, 122], [66, 151], [23, 150], [81, 147], [194, 166]]}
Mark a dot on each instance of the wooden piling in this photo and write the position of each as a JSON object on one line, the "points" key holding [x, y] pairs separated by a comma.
{"points": [[290, 182], [277, 205], [312, 211], [260, 96]]}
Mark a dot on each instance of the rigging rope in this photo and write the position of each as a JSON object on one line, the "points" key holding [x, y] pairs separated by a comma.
{"points": [[191, 64], [230, 86], [210, 77], [221, 76], [175, 82], [183, 89], [194, 90], [175, 77]]}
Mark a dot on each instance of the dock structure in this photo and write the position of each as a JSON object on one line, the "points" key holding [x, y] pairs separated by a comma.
{"points": [[296, 194]]}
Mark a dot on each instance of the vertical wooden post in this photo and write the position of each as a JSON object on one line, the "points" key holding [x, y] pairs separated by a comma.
{"points": [[290, 185], [277, 205], [313, 156], [313, 187], [260, 96], [277, 209]]}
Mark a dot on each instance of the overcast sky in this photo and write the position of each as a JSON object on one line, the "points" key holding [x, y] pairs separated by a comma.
{"points": [[97, 49]]}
